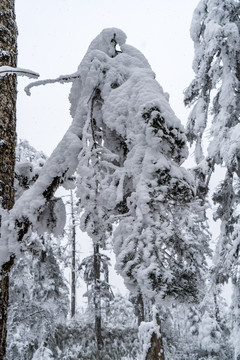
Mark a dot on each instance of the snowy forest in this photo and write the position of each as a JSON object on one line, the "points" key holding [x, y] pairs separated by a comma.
{"points": [[122, 174]]}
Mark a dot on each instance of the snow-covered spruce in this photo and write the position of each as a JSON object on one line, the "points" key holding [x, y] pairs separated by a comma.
{"points": [[215, 32], [38, 295], [130, 173], [215, 94], [128, 148], [130, 170]]}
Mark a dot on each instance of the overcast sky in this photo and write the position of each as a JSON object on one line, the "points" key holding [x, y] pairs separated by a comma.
{"points": [[54, 36]]}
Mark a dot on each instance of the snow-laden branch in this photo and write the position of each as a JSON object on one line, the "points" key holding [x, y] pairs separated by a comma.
{"points": [[58, 168], [4, 70], [61, 79]]}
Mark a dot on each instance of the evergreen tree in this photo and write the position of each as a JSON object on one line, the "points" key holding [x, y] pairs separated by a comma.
{"points": [[99, 292], [128, 148], [38, 301], [130, 172], [215, 94], [76, 339], [38, 294]]}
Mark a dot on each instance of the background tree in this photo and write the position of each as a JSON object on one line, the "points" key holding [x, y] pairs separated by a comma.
{"points": [[215, 93], [38, 295], [72, 238]]}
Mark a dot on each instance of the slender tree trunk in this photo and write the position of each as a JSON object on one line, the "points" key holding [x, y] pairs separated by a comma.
{"points": [[236, 317], [8, 94], [73, 284], [140, 308], [97, 298], [156, 351]]}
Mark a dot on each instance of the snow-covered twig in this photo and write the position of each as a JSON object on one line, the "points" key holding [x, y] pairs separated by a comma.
{"points": [[4, 70], [36, 312], [61, 79]]}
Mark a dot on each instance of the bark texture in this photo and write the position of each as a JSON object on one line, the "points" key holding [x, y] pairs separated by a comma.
{"points": [[8, 94], [97, 297], [156, 351], [73, 281]]}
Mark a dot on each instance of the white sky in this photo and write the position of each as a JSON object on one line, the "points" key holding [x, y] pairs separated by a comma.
{"points": [[55, 34]]}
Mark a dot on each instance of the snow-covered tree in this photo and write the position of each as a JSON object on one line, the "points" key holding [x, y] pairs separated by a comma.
{"points": [[71, 234], [99, 292], [215, 93], [38, 296], [215, 32], [128, 148], [130, 172], [38, 300], [76, 339]]}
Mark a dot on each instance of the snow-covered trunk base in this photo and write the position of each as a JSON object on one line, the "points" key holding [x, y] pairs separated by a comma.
{"points": [[8, 94], [155, 352], [151, 338]]}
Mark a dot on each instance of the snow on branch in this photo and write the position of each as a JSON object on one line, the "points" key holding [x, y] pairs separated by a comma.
{"points": [[61, 79], [4, 70], [58, 168]]}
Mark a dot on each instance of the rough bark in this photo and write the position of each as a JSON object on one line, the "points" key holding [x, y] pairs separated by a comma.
{"points": [[156, 351], [73, 284], [97, 297], [8, 94], [140, 308]]}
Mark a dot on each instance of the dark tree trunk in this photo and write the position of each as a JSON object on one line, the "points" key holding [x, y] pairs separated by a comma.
{"points": [[8, 94], [140, 308], [156, 351], [97, 298], [73, 284]]}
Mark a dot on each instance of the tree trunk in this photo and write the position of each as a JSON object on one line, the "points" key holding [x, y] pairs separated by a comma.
{"points": [[73, 284], [140, 308], [97, 297], [8, 94], [156, 351]]}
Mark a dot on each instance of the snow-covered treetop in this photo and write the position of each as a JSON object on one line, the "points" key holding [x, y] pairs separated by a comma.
{"points": [[127, 84], [215, 31]]}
